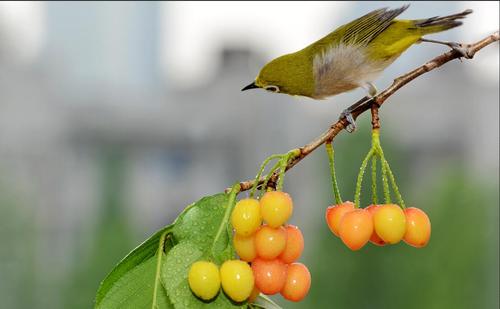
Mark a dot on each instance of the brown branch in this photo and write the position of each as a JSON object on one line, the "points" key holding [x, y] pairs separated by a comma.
{"points": [[375, 117], [341, 124]]}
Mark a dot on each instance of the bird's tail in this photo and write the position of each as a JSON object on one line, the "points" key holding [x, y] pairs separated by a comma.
{"points": [[438, 24]]}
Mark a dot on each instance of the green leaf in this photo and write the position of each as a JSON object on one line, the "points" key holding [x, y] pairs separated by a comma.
{"points": [[154, 275], [203, 233], [200, 223], [139, 265], [205, 225], [174, 278], [135, 289], [264, 302]]}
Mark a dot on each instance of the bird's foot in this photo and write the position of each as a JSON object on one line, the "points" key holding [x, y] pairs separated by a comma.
{"points": [[347, 114], [463, 49], [351, 123]]}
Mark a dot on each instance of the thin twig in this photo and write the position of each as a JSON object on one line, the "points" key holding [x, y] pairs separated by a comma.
{"points": [[379, 99]]}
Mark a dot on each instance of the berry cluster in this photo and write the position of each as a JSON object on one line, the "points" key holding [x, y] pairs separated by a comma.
{"points": [[379, 224], [272, 248], [268, 254]]}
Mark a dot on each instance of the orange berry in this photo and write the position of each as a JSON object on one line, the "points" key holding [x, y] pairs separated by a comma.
{"points": [[418, 227], [245, 247], [356, 228], [375, 239], [270, 242], [294, 244], [297, 283], [269, 276], [335, 213], [390, 223], [276, 208]]}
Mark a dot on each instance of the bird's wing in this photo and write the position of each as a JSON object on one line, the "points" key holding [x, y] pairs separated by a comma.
{"points": [[366, 28]]}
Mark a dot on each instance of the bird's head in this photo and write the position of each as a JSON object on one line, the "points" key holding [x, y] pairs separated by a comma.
{"points": [[286, 74]]}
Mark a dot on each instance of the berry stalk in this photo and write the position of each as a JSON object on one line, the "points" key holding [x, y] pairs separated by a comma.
{"points": [[385, 182], [261, 170], [225, 220], [394, 185], [380, 154], [336, 192], [268, 177], [362, 169], [283, 165], [281, 178], [374, 180]]}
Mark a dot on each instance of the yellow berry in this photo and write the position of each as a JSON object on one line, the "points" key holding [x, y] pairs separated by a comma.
{"points": [[245, 247], [204, 279], [237, 279], [246, 217], [389, 222], [276, 208]]}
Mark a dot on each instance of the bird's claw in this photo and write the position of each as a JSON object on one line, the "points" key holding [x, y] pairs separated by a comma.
{"points": [[463, 49], [351, 124]]}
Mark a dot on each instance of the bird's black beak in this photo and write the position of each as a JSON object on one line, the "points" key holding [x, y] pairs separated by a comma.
{"points": [[251, 86]]}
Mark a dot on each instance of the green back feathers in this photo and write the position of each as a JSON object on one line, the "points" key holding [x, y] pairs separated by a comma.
{"points": [[363, 30]]}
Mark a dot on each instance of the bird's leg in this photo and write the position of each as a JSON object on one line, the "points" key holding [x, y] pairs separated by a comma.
{"points": [[461, 48], [347, 113], [370, 87]]}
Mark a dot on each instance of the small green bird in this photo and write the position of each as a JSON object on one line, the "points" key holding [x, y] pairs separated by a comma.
{"points": [[352, 56]]}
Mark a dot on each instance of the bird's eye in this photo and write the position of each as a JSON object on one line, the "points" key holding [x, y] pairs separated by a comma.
{"points": [[272, 88]]}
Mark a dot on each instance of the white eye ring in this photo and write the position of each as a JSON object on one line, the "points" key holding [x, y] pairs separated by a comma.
{"points": [[272, 88]]}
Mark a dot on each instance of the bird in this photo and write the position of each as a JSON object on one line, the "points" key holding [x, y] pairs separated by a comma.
{"points": [[352, 56]]}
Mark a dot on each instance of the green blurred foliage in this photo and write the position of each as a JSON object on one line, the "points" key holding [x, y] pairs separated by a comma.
{"points": [[112, 236], [17, 250]]}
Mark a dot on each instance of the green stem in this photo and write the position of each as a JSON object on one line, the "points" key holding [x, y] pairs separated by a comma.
{"points": [[268, 177], [283, 163], [158, 268], [380, 153], [374, 180], [385, 181], [225, 220], [261, 170], [394, 185], [336, 192], [362, 169]]}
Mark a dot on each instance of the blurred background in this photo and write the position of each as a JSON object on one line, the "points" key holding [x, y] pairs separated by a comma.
{"points": [[115, 116]]}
